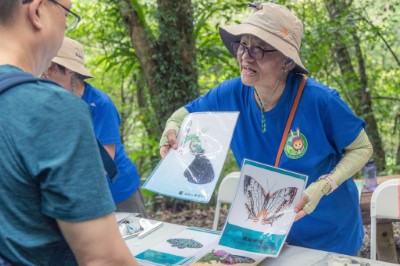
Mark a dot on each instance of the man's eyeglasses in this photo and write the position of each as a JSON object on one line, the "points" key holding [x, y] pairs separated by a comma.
{"points": [[254, 52], [72, 19]]}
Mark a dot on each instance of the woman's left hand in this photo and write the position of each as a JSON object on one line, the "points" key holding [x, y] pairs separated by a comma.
{"points": [[311, 197], [298, 209]]}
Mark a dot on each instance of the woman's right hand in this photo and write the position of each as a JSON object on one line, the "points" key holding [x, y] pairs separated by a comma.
{"points": [[171, 142], [172, 126]]}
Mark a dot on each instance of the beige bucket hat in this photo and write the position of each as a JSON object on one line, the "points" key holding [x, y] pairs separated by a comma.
{"points": [[275, 25], [71, 56]]}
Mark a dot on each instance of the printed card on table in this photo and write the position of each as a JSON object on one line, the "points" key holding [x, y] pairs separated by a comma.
{"points": [[222, 255], [262, 212], [181, 249], [192, 171]]}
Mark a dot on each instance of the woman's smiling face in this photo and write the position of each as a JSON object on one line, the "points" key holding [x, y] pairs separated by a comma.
{"points": [[262, 72]]}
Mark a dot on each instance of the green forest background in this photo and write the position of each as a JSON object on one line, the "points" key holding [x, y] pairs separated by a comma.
{"points": [[152, 57]]}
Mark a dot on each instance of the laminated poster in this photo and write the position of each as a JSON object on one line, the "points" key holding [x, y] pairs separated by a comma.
{"points": [[262, 212], [191, 172]]}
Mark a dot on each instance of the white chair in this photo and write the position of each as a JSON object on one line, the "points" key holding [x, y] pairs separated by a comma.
{"points": [[384, 204], [226, 193]]}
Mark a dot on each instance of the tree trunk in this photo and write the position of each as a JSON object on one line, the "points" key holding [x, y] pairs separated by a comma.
{"points": [[168, 63], [361, 99]]}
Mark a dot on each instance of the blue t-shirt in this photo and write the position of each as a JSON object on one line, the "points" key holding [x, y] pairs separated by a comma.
{"points": [[50, 169], [322, 127], [106, 122]]}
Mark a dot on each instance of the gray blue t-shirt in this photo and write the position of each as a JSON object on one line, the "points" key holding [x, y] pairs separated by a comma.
{"points": [[50, 168]]}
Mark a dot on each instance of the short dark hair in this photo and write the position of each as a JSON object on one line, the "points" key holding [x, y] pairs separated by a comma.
{"points": [[79, 77], [8, 9], [63, 70], [60, 67]]}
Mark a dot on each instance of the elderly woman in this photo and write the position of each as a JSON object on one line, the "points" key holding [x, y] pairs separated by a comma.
{"points": [[293, 123]]}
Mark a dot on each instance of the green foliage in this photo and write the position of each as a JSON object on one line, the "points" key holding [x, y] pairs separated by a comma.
{"points": [[215, 63], [113, 61], [373, 22]]}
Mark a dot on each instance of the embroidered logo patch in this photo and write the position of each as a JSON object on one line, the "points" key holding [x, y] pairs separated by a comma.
{"points": [[296, 144], [284, 31]]}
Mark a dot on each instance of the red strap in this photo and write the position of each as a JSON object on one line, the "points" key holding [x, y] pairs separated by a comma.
{"points": [[290, 119]]}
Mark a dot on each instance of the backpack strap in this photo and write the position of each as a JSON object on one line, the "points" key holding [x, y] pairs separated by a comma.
{"points": [[9, 80], [4, 262], [108, 162]]}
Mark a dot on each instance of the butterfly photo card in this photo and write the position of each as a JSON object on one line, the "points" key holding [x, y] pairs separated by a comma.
{"points": [[262, 212], [191, 172], [222, 255], [180, 249]]}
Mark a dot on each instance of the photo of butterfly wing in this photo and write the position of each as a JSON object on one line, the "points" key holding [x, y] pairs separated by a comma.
{"points": [[236, 259], [277, 202], [223, 257], [263, 205], [201, 170], [256, 198], [182, 243]]}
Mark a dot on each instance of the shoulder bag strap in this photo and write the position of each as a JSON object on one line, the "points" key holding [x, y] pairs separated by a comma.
{"points": [[290, 119]]}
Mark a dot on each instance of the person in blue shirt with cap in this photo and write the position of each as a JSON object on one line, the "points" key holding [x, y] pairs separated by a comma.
{"points": [[68, 69]]}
